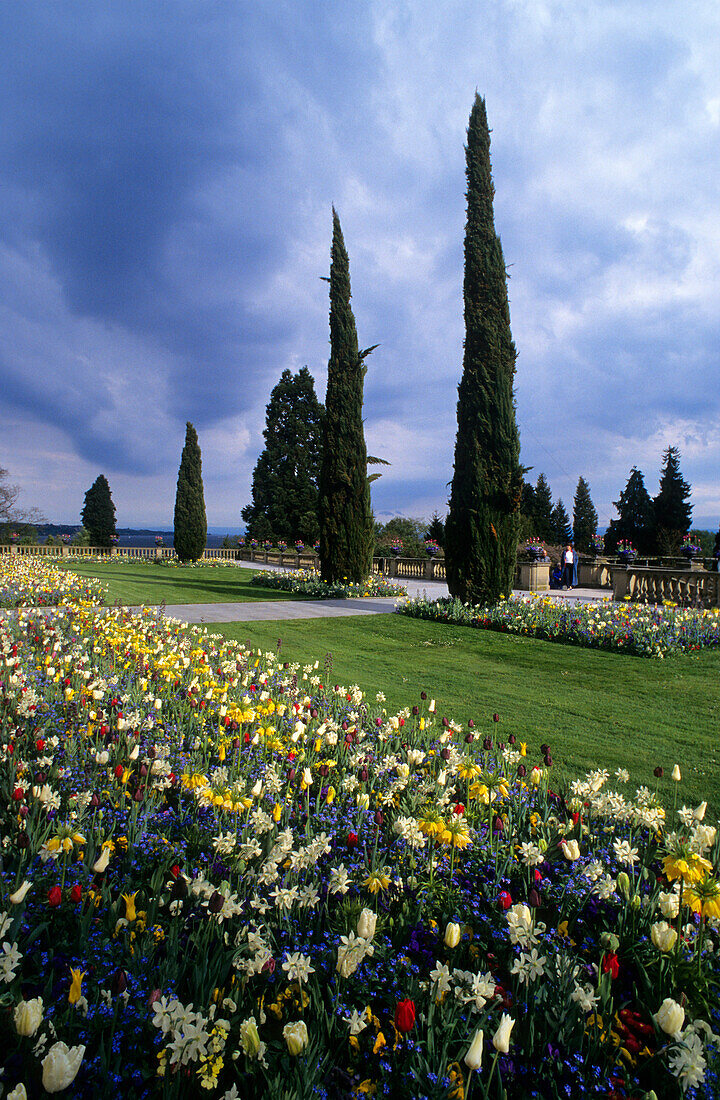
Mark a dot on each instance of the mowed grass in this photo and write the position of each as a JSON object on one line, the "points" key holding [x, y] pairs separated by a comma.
{"points": [[594, 709], [155, 584]]}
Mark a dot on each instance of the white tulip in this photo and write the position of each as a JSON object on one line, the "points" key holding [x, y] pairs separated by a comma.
{"points": [[501, 1038], [473, 1058], [60, 1066]]}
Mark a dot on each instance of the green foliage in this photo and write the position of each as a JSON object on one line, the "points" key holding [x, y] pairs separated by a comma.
{"points": [[672, 510], [481, 530], [562, 531], [190, 519], [285, 479], [635, 522], [81, 538], [410, 531], [345, 513], [436, 529], [98, 514], [542, 512], [308, 582], [705, 540], [585, 518]]}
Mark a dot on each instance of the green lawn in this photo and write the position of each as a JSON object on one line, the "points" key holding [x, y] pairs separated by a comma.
{"points": [[594, 709], [153, 584]]}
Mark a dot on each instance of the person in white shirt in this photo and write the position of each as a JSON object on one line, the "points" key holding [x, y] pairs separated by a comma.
{"points": [[568, 562]]}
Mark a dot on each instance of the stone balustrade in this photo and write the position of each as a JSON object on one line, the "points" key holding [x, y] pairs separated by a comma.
{"points": [[688, 587]]}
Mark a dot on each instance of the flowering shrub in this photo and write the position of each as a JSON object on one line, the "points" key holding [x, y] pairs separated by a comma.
{"points": [[34, 582], [310, 583], [227, 876], [597, 544], [645, 631], [282, 546], [432, 547], [690, 548], [625, 549]]}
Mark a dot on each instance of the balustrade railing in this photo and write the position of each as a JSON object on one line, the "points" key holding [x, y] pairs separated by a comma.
{"points": [[697, 588]]}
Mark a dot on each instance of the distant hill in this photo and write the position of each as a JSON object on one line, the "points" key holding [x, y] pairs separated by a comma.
{"points": [[128, 536]]}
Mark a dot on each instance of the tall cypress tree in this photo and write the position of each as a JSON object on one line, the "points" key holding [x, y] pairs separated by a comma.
{"points": [[585, 518], [482, 526], [190, 519], [98, 514], [672, 510], [284, 486], [345, 512]]}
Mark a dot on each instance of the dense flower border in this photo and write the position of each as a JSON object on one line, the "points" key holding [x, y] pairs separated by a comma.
{"points": [[226, 875], [644, 631], [309, 583], [35, 582]]}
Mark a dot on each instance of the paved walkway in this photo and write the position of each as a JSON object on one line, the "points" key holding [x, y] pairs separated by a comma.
{"points": [[283, 610]]}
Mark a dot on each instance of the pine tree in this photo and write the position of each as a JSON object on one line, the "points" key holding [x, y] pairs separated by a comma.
{"points": [[481, 530], [635, 522], [672, 510], [344, 509], [542, 514], [284, 486], [562, 531], [190, 519], [436, 529], [585, 518], [98, 514]]}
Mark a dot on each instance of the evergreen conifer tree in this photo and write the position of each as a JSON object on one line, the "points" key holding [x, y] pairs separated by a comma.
{"points": [[482, 526], [672, 510], [344, 508], [284, 486], [98, 514], [562, 531], [190, 518], [542, 513], [585, 518], [635, 521], [436, 529]]}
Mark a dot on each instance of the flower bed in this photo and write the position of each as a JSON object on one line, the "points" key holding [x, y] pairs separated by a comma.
{"points": [[644, 631], [309, 583], [34, 582], [223, 875]]}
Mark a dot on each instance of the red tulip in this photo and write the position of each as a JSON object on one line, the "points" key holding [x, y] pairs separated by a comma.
{"points": [[610, 964], [405, 1016], [352, 840], [76, 893], [505, 900], [54, 897]]}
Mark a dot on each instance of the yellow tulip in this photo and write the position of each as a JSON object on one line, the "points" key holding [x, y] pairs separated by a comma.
{"points": [[76, 985]]}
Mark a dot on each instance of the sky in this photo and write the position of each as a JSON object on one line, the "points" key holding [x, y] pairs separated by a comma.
{"points": [[167, 172]]}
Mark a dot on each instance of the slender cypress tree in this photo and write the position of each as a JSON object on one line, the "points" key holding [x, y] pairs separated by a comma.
{"points": [[190, 519], [98, 514], [482, 526], [585, 518], [345, 513]]}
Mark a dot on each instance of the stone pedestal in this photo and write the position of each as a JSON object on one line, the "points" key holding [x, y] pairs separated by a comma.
{"points": [[594, 573], [535, 576]]}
